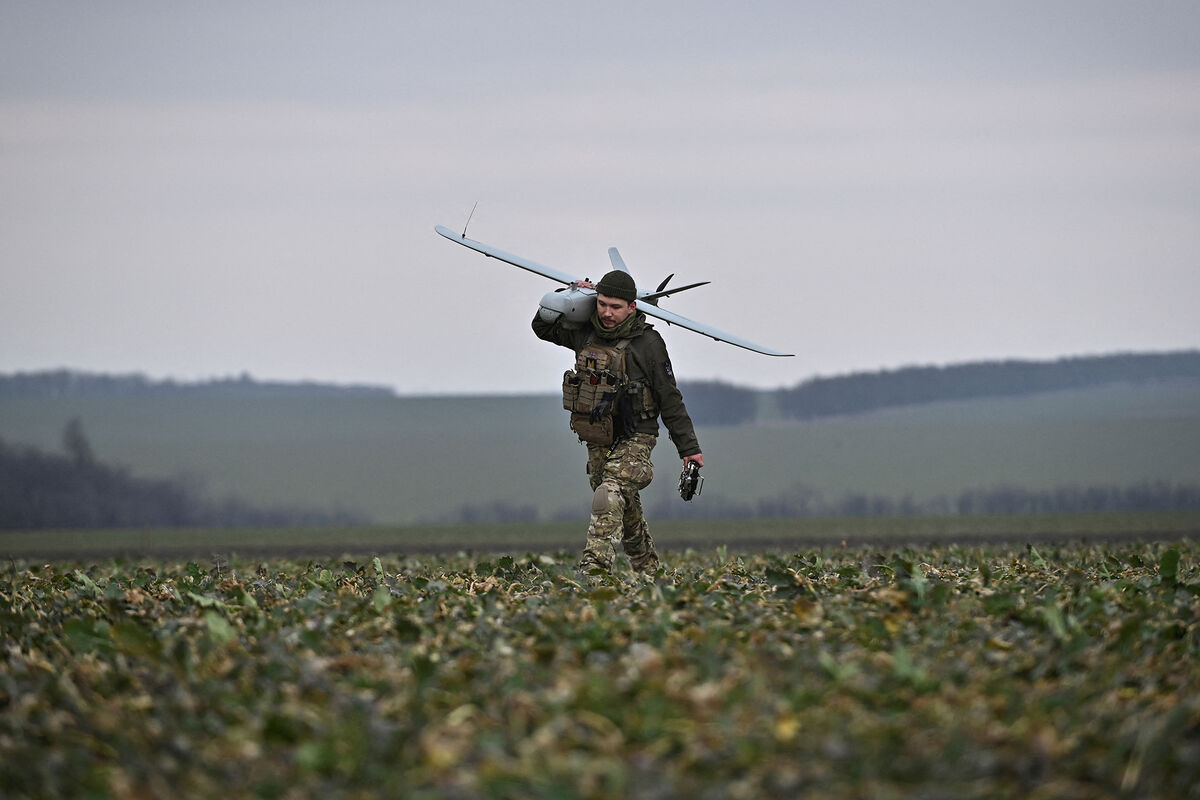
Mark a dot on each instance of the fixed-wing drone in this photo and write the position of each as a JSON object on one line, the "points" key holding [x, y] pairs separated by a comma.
{"points": [[577, 303]]}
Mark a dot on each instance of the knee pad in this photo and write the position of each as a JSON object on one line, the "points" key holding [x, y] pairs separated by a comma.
{"points": [[605, 499]]}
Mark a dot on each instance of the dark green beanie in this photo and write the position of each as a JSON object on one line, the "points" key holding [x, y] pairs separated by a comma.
{"points": [[618, 284]]}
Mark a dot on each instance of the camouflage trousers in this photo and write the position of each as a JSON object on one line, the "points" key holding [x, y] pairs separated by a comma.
{"points": [[616, 474]]}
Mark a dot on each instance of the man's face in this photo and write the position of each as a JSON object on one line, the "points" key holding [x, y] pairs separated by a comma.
{"points": [[613, 310]]}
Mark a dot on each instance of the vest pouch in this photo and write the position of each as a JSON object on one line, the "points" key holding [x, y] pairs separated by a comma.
{"points": [[571, 383], [649, 409], [590, 391], [641, 400], [594, 392], [599, 432]]}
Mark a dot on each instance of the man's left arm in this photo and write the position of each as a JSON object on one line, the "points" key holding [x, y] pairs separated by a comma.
{"points": [[670, 402]]}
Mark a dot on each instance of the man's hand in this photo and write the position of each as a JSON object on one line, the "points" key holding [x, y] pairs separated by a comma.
{"points": [[690, 481]]}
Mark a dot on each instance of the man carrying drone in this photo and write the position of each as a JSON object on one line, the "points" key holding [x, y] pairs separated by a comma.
{"points": [[622, 382]]}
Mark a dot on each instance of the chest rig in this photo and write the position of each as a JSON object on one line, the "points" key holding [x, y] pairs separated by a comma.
{"points": [[605, 404]]}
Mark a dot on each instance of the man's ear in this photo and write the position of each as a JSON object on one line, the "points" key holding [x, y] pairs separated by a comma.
{"points": [[633, 304]]}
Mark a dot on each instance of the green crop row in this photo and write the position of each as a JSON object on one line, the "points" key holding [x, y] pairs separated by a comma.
{"points": [[933, 671]]}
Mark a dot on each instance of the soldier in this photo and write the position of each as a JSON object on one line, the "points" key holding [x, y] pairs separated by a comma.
{"points": [[621, 384]]}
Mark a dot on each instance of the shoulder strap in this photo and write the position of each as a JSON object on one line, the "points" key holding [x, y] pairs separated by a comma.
{"points": [[620, 348]]}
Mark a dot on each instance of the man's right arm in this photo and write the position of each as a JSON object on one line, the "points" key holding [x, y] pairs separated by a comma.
{"points": [[554, 332]]}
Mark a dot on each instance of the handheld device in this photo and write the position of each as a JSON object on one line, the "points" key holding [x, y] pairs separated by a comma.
{"points": [[690, 481]]}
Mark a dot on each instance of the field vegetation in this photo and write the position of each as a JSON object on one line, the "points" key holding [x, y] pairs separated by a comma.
{"points": [[937, 670]]}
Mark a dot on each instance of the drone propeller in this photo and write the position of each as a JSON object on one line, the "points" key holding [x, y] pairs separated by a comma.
{"points": [[662, 291]]}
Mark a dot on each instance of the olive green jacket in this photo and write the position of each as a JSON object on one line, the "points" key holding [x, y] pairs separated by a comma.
{"points": [[646, 360]]}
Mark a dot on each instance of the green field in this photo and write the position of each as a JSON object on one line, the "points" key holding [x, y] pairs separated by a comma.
{"points": [[410, 460], [1056, 670]]}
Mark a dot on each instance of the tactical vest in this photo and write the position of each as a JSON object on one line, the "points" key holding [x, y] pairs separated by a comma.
{"points": [[605, 405]]}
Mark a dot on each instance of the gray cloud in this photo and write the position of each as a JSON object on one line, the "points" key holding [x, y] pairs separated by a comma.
{"points": [[203, 189]]}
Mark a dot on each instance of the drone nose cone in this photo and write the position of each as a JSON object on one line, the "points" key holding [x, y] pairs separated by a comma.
{"points": [[576, 304]]}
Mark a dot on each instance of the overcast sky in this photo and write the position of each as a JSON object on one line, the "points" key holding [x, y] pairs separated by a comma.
{"points": [[201, 189]]}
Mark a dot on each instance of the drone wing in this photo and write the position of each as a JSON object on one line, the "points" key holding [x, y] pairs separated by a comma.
{"points": [[517, 261], [671, 318], [650, 298]]}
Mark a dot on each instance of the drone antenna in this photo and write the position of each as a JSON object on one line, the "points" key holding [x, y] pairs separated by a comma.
{"points": [[464, 233]]}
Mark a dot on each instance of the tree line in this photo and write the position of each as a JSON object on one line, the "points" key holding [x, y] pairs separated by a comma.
{"points": [[77, 490], [802, 501]]}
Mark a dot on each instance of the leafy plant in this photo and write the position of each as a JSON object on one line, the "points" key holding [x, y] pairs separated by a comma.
{"points": [[944, 670]]}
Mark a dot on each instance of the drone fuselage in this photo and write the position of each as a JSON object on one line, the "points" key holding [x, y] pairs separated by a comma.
{"points": [[575, 305]]}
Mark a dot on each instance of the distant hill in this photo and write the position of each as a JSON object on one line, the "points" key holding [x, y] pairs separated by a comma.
{"points": [[73, 383], [712, 402], [872, 391], [1126, 439]]}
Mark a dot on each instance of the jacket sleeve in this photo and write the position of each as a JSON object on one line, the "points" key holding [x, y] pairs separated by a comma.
{"points": [[555, 333], [670, 400]]}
